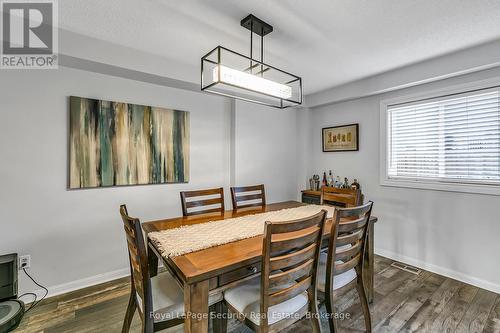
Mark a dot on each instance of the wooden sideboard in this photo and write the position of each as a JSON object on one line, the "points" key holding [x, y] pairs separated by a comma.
{"points": [[311, 197], [314, 197]]}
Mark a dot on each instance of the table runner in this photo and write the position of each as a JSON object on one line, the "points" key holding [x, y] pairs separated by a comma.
{"points": [[191, 238]]}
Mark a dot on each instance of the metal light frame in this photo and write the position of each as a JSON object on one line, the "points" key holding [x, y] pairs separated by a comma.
{"points": [[261, 28]]}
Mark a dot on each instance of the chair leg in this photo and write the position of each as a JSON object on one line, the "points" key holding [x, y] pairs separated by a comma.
{"points": [[220, 321], [313, 310], [364, 304], [129, 314], [330, 312]]}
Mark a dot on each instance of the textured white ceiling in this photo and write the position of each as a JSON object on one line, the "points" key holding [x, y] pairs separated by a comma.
{"points": [[327, 42]]}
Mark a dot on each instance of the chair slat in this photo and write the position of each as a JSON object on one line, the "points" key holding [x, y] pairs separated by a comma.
{"points": [[291, 292], [295, 241], [257, 204], [248, 197], [349, 238], [204, 202], [348, 226], [282, 278], [205, 211], [188, 205], [200, 193], [345, 266], [248, 188], [292, 259], [261, 196], [347, 254]]}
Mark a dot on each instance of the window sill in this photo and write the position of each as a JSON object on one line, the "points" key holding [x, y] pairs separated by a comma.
{"points": [[442, 186]]}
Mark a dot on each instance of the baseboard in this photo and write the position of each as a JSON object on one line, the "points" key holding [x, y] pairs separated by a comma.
{"points": [[114, 275], [440, 270], [84, 283]]}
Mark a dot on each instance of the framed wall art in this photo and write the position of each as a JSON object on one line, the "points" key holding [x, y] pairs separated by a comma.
{"points": [[341, 138], [113, 143]]}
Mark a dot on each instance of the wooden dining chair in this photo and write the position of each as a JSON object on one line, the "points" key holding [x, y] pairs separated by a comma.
{"points": [[216, 199], [344, 197], [159, 299], [342, 269], [286, 288], [255, 196]]}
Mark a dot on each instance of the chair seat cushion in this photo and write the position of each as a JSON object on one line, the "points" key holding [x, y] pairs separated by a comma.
{"points": [[339, 280], [245, 299], [168, 297]]}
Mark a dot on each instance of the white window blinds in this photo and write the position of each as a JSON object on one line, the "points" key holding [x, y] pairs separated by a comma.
{"points": [[449, 139]]}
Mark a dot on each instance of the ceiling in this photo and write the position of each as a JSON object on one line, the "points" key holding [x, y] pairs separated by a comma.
{"points": [[327, 42]]}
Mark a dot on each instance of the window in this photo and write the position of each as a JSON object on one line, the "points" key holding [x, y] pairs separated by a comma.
{"points": [[449, 140]]}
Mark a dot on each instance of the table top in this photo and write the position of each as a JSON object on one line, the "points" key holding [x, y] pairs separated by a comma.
{"points": [[205, 264]]}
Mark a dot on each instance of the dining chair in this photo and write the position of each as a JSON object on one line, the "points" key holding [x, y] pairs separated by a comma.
{"points": [[242, 195], [344, 197], [159, 299], [342, 268], [286, 288], [216, 198]]}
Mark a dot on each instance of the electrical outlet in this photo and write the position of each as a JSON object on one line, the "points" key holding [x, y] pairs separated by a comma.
{"points": [[24, 261]]}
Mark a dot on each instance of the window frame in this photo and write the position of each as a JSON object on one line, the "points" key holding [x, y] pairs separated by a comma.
{"points": [[431, 184]]}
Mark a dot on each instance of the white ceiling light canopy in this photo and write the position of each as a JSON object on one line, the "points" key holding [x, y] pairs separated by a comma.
{"points": [[228, 73]]}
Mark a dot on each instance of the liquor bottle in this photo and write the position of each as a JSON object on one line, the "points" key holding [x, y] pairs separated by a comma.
{"points": [[330, 179], [324, 183], [338, 183], [355, 185], [346, 183]]}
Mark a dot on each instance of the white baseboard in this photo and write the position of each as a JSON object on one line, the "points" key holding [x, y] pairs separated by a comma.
{"points": [[83, 283], [109, 276], [440, 270]]}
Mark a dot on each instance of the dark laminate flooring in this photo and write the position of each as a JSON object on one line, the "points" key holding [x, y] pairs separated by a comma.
{"points": [[403, 302]]}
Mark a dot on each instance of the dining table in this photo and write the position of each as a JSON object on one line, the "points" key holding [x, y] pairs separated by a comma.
{"points": [[214, 269]]}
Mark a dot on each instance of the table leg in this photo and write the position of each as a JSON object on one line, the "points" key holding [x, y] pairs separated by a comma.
{"points": [[196, 307], [369, 263]]}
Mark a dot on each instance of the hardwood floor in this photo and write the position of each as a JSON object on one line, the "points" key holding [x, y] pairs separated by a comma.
{"points": [[403, 302]]}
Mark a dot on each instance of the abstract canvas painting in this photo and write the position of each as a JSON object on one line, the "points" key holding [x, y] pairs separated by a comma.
{"points": [[114, 144]]}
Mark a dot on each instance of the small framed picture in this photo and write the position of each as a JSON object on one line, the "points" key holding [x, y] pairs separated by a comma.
{"points": [[341, 138]]}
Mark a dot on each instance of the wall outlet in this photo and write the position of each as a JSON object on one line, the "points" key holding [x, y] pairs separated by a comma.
{"points": [[24, 262]]}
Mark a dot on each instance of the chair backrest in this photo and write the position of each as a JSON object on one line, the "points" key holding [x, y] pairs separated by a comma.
{"points": [[216, 199], [290, 259], [241, 196], [138, 261], [347, 241], [345, 196]]}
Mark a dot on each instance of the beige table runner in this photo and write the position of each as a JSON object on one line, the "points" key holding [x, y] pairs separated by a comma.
{"points": [[186, 239]]}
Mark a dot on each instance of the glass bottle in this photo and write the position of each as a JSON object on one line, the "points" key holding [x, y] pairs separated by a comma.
{"points": [[330, 179]]}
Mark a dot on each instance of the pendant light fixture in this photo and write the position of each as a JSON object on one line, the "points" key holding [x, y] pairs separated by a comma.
{"points": [[229, 73]]}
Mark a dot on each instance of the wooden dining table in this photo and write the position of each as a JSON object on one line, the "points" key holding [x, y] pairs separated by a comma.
{"points": [[217, 268]]}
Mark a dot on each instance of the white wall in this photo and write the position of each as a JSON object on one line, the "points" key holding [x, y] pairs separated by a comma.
{"points": [[265, 149], [455, 234], [76, 237]]}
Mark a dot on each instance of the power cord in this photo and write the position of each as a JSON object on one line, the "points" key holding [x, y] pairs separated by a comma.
{"points": [[34, 302]]}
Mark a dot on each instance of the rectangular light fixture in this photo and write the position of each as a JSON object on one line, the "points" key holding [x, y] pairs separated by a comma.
{"points": [[228, 73], [253, 82]]}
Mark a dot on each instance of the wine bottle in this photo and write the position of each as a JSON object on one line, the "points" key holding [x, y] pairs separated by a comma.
{"points": [[324, 183]]}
